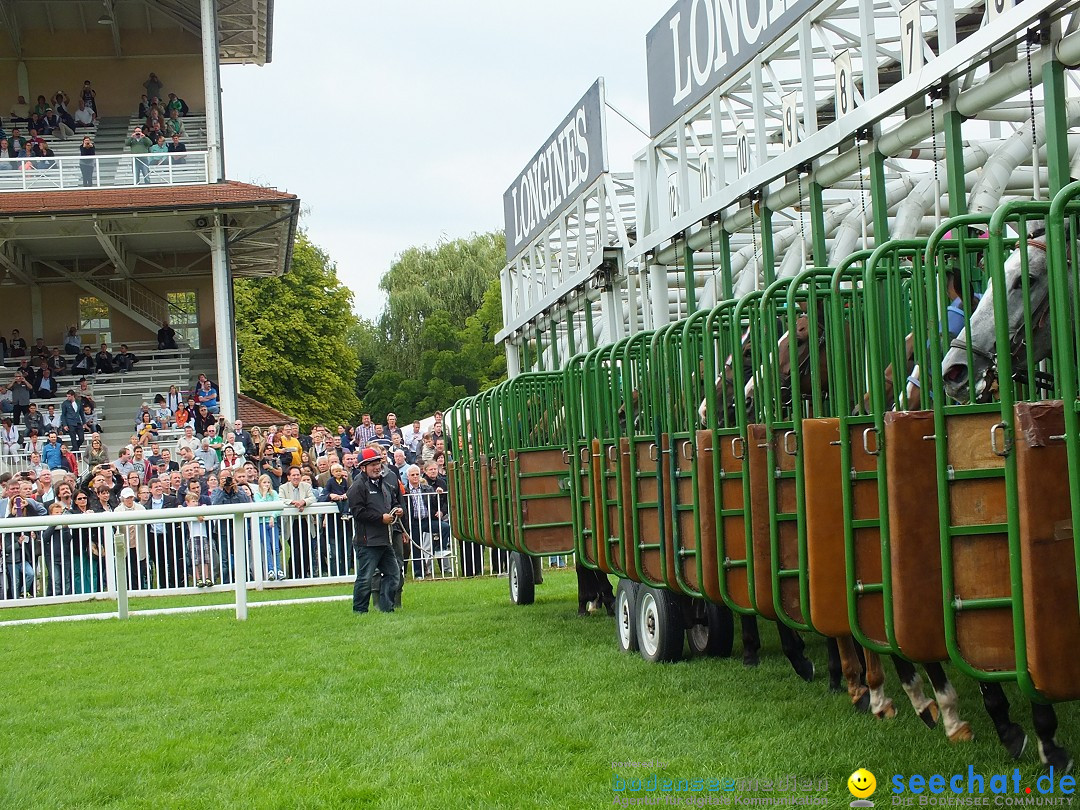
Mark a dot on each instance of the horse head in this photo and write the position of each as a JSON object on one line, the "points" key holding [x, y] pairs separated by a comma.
{"points": [[725, 383], [809, 346], [979, 380]]}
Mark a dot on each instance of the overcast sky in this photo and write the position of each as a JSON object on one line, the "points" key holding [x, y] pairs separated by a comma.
{"points": [[401, 123]]}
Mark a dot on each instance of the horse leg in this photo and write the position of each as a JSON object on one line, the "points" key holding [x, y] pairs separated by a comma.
{"points": [[849, 661], [605, 595], [835, 668], [880, 704], [925, 707], [1044, 718], [997, 706], [956, 730], [793, 646], [751, 640]]}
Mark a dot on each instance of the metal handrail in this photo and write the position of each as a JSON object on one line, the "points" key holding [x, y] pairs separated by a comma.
{"points": [[66, 172]]}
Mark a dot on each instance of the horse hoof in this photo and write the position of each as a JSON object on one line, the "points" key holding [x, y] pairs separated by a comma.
{"points": [[750, 659], [886, 712], [835, 687], [862, 702], [1056, 757], [1015, 741], [804, 669], [930, 714], [963, 733]]}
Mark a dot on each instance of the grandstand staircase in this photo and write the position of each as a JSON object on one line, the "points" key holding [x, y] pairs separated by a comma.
{"points": [[136, 301], [109, 140]]}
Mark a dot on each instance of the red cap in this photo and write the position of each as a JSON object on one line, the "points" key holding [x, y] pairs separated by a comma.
{"points": [[369, 455]]}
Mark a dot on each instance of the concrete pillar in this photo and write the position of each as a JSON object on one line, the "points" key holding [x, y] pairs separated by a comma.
{"points": [[212, 89], [224, 328]]}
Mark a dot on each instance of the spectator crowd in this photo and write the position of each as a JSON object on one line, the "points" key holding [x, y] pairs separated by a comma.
{"points": [[183, 453]]}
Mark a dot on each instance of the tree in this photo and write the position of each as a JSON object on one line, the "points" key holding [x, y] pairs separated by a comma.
{"points": [[453, 363], [293, 335], [451, 277]]}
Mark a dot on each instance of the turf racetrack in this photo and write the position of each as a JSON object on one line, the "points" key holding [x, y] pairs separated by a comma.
{"points": [[459, 700]]}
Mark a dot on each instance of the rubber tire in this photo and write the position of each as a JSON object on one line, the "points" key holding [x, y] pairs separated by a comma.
{"points": [[625, 615], [716, 635], [660, 629], [522, 584]]}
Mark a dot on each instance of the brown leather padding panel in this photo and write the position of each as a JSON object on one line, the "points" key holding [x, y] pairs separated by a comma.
{"points": [[787, 501], [980, 561], [462, 528], [586, 484], [485, 502], [914, 536], [825, 526], [667, 529], [733, 526], [648, 517], [1047, 553], [684, 492], [866, 540], [706, 495], [548, 475], [626, 514], [758, 460], [596, 488]]}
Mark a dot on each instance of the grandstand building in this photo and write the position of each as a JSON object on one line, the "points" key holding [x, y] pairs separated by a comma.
{"points": [[139, 238]]}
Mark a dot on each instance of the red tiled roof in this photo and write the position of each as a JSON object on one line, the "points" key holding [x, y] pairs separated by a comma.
{"points": [[139, 198], [258, 413]]}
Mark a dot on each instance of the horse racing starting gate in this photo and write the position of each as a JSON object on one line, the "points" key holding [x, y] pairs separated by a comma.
{"points": [[834, 383]]}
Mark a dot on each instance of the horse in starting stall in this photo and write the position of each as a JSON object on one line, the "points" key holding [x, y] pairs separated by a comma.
{"points": [[810, 349], [979, 383]]}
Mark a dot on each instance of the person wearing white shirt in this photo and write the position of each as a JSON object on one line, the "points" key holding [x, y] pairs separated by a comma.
{"points": [[138, 570], [9, 437], [84, 117], [51, 420], [188, 440]]}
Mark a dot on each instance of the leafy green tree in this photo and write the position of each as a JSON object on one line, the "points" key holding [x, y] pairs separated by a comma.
{"points": [[293, 335], [486, 360], [452, 277]]}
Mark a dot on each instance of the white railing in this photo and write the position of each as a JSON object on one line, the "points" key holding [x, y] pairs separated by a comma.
{"points": [[66, 173], [75, 557], [140, 298]]}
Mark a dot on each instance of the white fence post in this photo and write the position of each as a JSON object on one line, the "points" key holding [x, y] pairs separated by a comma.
{"points": [[240, 566], [120, 549]]}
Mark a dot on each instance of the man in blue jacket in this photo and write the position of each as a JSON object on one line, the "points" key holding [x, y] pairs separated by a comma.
{"points": [[52, 452]]}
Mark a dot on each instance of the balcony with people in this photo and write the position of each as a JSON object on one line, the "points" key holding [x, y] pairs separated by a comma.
{"points": [[53, 145]]}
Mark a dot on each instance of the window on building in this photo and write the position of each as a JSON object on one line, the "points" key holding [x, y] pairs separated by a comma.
{"points": [[95, 321], [184, 316]]}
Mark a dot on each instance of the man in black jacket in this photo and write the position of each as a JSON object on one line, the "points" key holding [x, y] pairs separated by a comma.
{"points": [[165, 540], [375, 503]]}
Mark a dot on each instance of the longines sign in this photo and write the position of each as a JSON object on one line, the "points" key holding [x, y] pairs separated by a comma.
{"points": [[700, 43], [572, 158]]}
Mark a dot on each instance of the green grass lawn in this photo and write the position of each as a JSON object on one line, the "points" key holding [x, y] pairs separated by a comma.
{"points": [[459, 700]]}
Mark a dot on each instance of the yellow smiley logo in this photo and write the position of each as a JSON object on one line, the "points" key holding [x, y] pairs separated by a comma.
{"points": [[862, 784]]}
